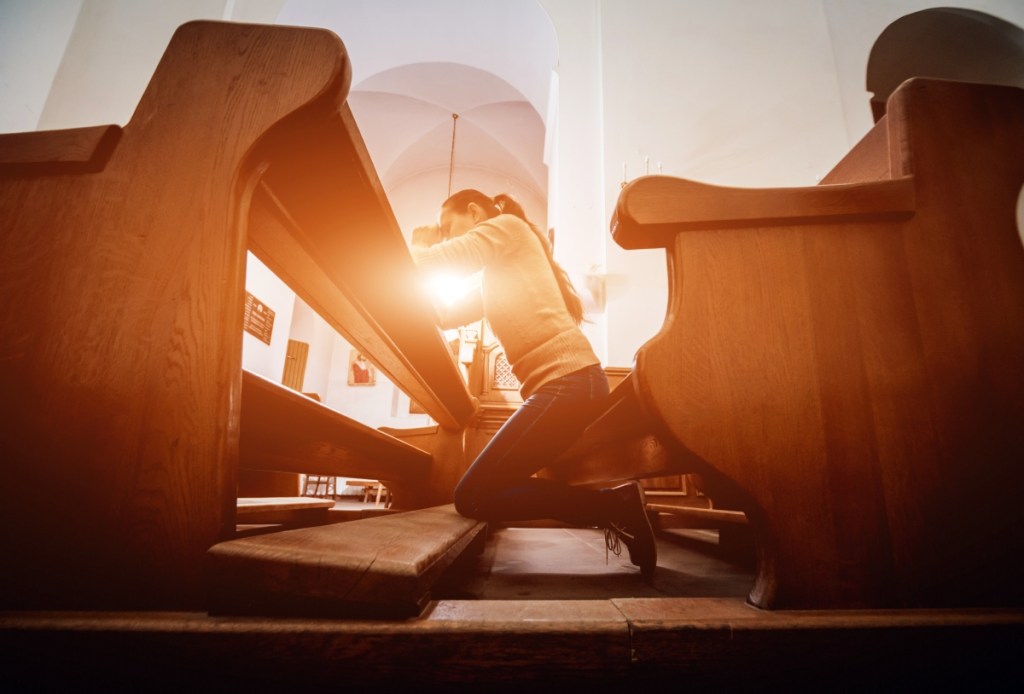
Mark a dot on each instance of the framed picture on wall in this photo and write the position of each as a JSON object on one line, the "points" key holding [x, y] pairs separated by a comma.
{"points": [[360, 371]]}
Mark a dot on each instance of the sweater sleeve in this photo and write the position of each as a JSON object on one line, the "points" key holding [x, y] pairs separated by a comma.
{"points": [[468, 309], [470, 252]]}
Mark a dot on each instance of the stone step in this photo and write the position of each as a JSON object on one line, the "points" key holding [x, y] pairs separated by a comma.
{"points": [[382, 567]]}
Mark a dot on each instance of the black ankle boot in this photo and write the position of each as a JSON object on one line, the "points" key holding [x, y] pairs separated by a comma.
{"points": [[630, 524]]}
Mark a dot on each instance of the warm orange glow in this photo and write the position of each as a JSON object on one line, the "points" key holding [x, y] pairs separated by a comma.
{"points": [[448, 289]]}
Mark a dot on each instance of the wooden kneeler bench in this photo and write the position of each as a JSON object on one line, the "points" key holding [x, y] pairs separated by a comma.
{"points": [[381, 567]]}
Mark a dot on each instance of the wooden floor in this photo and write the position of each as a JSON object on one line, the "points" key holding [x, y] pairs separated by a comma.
{"points": [[537, 606]]}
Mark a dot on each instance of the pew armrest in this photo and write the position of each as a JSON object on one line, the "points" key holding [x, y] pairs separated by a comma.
{"points": [[71, 151], [652, 209]]}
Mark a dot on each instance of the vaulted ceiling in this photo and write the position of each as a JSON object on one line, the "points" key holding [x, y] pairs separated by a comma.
{"points": [[415, 64]]}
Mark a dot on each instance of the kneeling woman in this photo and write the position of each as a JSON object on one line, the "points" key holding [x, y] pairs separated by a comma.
{"points": [[535, 313]]}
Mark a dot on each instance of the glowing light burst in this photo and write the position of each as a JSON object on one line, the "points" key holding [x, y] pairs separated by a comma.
{"points": [[448, 289]]}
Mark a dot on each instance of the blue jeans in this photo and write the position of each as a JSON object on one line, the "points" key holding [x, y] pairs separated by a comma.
{"points": [[498, 485]]}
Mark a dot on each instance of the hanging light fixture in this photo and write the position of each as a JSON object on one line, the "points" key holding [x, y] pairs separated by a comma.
{"points": [[451, 160]]}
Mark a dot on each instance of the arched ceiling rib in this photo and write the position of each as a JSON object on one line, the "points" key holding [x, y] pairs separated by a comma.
{"points": [[405, 116], [414, 64]]}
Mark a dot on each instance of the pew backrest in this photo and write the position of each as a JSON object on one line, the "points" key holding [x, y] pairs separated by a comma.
{"points": [[843, 361]]}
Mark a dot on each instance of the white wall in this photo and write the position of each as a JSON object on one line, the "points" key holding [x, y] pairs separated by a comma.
{"points": [[29, 58], [736, 92], [258, 356], [731, 93], [853, 28], [576, 196], [113, 52], [377, 405], [105, 62]]}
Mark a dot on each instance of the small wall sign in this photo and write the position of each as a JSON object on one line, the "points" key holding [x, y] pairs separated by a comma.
{"points": [[259, 318]]}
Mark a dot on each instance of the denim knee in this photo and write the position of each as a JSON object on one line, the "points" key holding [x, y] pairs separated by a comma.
{"points": [[466, 503]]}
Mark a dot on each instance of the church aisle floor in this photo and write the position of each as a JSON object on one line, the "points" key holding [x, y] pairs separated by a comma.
{"points": [[537, 607], [558, 563]]}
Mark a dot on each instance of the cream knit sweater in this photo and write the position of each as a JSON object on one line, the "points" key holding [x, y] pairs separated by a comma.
{"points": [[519, 296]]}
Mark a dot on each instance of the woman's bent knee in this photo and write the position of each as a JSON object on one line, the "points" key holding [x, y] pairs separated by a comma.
{"points": [[466, 503]]}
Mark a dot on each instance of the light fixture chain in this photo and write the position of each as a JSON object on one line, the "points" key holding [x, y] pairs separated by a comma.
{"points": [[451, 160]]}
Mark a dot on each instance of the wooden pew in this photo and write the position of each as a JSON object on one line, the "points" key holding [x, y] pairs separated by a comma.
{"points": [[844, 362], [122, 260]]}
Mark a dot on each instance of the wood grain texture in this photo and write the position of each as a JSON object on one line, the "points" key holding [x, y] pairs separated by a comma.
{"points": [[377, 567], [652, 209], [287, 511], [859, 382], [121, 296], [866, 160], [252, 505], [283, 430], [324, 226]]}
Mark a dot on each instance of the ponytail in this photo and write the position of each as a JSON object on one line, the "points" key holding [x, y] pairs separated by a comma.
{"points": [[509, 205], [506, 204]]}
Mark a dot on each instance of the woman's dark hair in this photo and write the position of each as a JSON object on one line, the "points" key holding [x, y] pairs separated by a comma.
{"points": [[506, 204]]}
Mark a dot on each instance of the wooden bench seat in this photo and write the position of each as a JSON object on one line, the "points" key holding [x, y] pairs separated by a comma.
{"points": [[297, 509], [377, 567], [282, 430]]}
